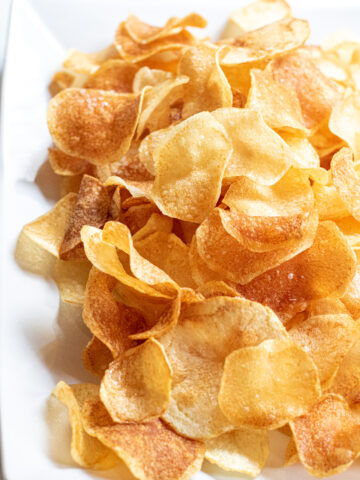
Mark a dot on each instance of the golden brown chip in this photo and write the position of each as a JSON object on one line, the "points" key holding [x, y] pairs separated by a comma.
{"points": [[324, 269], [291, 454], [267, 385], [71, 278], [216, 288], [88, 63], [327, 339], [200, 272], [208, 88], [244, 451], [206, 333], [95, 125], [189, 166], [91, 208], [48, 230], [148, 146], [149, 77], [258, 152], [116, 75], [66, 79], [327, 437], [65, 165], [351, 298], [150, 450], [156, 223], [86, 450], [346, 181], [136, 386], [96, 357]]}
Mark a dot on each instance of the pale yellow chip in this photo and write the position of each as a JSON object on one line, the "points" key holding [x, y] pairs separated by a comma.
{"points": [[267, 385], [149, 77], [86, 450], [351, 298], [306, 157], [71, 278], [88, 63], [327, 437], [48, 230], [329, 203], [345, 122], [189, 166], [156, 223], [136, 386], [258, 152], [244, 451], [206, 333]]}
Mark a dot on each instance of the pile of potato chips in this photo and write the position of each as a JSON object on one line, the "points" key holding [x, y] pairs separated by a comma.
{"points": [[209, 225]]}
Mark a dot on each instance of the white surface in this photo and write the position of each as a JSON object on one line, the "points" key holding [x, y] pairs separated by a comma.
{"points": [[38, 347]]}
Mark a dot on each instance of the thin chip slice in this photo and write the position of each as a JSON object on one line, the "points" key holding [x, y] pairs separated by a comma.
{"points": [[86, 450], [244, 451], [351, 299], [206, 333], [88, 63], [71, 278], [115, 75], [278, 104], [96, 357], [136, 386], [91, 208], [258, 152], [267, 385], [48, 230], [329, 203], [143, 33], [306, 156], [149, 77], [189, 168], [148, 146], [327, 339], [291, 454], [208, 88], [346, 181], [150, 450], [345, 122], [65, 165], [156, 223], [327, 437], [95, 125], [200, 272]]}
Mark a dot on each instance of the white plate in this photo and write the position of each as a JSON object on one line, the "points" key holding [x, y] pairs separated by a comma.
{"points": [[38, 346]]}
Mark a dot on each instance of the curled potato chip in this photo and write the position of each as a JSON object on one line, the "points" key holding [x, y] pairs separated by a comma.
{"points": [[306, 157], [88, 62], [351, 229], [86, 450], [91, 208], [63, 164], [326, 306], [316, 93], [66, 79], [278, 104], [150, 450], [143, 33], [156, 223], [137, 216], [189, 168], [208, 88], [197, 347], [224, 253], [168, 252], [345, 122], [328, 202], [96, 357], [111, 322], [291, 454], [216, 288], [258, 152], [149, 77], [327, 339], [266, 385], [351, 298], [200, 272], [136, 386], [327, 437], [95, 125], [346, 181], [288, 287], [244, 451], [148, 146], [255, 15], [71, 278], [115, 75], [48, 230]]}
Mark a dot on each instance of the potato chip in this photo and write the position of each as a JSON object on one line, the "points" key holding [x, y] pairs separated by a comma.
{"points": [[65, 165], [345, 122], [224, 253], [143, 33], [149, 77], [200, 272], [88, 62], [189, 188], [115, 75], [150, 450], [137, 216], [71, 278], [156, 223], [170, 254], [86, 450], [346, 181], [255, 15], [216, 288], [287, 288], [197, 347], [149, 144], [327, 339], [31, 257], [95, 125], [258, 152], [326, 306], [291, 454], [208, 88], [266, 385], [351, 229], [329, 203], [316, 93], [136, 386], [48, 230], [327, 437], [244, 451], [351, 298], [306, 157], [96, 357], [66, 79], [278, 104], [91, 208]]}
